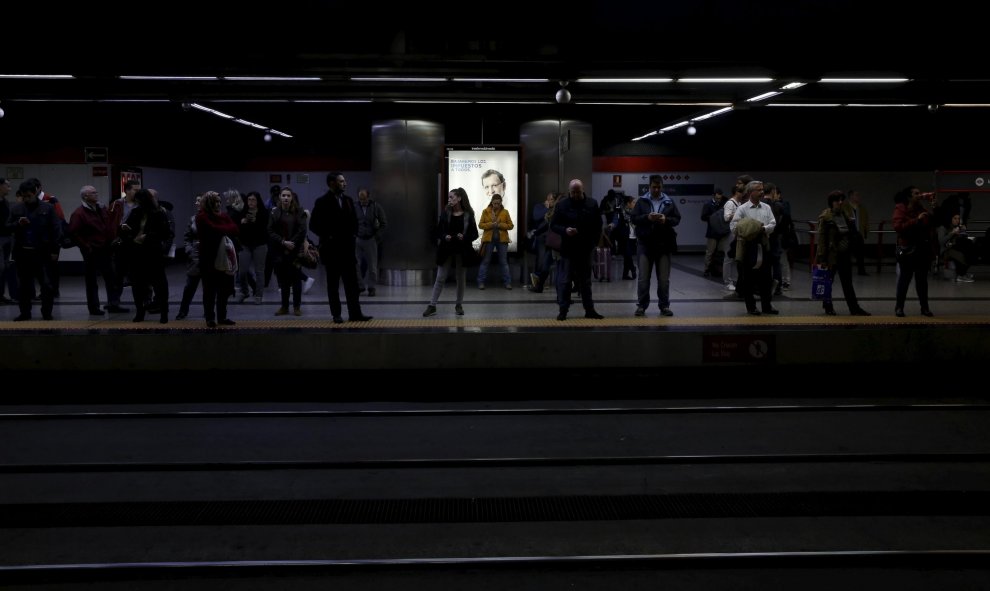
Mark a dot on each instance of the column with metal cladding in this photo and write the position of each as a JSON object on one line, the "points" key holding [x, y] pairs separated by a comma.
{"points": [[555, 151], [406, 161]]}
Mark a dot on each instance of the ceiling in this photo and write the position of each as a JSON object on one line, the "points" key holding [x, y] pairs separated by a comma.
{"points": [[784, 41]]}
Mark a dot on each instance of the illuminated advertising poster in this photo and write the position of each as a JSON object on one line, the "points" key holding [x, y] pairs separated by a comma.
{"points": [[483, 171]]}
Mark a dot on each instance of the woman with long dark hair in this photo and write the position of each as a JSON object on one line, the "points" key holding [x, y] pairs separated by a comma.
{"points": [[454, 233]]}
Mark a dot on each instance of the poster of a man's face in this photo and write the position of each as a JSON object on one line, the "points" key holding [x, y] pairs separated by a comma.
{"points": [[484, 172]]}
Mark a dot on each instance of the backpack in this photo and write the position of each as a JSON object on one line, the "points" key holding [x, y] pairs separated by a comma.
{"points": [[717, 222]]}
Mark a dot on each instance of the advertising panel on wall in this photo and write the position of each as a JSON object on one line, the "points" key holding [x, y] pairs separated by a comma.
{"points": [[483, 171]]}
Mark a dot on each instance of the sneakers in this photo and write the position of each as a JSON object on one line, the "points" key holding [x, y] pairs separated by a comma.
{"points": [[481, 286], [308, 284], [508, 286], [666, 312], [964, 279], [241, 298], [786, 286], [730, 287], [431, 310], [459, 310], [640, 311], [297, 312], [282, 311]]}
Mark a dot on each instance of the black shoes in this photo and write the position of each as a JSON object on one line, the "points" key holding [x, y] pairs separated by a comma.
{"points": [[211, 324], [459, 310], [371, 292], [562, 316], [181, 315], [226, 322], [666, 312], [22, 317], [96, 312], [899, 312], [338, 320], [829, 309], [592, 314], [359, 318], [771, 311], [117, 310], [927, 312], [859, 312], [431, 310]]}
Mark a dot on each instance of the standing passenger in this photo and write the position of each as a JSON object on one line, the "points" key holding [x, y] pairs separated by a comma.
{"points": [[455, 231], [579, 222]]}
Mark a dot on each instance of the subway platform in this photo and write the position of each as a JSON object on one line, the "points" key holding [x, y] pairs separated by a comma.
{"points": [[513, 329]]}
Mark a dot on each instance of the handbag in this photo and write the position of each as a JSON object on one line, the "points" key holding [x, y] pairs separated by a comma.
{"points": [[553, 240], [821, 283], [226, 258], [309, 256]]}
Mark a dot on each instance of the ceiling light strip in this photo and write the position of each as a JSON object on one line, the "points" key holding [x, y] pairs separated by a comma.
{"points": [[625, 80], [38, 76], [724, 80], [171, 78], [273, 78], [502, 80], [763, 97], [395, 79], [864, 80], [712, 114]]}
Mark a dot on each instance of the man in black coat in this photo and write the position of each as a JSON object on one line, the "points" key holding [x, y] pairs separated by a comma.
{"points": [[334, 220], [578, 220]]}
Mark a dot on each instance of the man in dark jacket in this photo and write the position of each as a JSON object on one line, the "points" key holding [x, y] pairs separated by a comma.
{"points": [[655, 216], [579, 222], [37, 233], [334, 220]]}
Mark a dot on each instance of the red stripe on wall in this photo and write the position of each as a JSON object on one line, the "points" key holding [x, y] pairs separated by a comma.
{"points": [[649, 163]]}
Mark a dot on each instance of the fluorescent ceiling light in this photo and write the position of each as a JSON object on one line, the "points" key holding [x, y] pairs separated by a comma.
{"points": [[332, 101], [712, 114], [793, 85], [881, 105], [726, 80], [636, 139], [507, 80], [133, 101], [251, 100], [50, 100], [249, 124], [432, 102], [966, 105], [864, 80], [628, 104], [168, 77], [281, 133], [674, 126], [211, 111], [625, 80], [668, 104], [394, 79], [762, 97], [38, 76], [273, 78], [804, 105], [514, 102]]}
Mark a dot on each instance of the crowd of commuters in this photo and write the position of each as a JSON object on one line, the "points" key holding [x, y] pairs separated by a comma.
{"points": [[234, 243]]}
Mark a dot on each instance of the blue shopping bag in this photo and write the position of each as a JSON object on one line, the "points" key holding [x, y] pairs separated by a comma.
{"points": [[821, 283]]}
